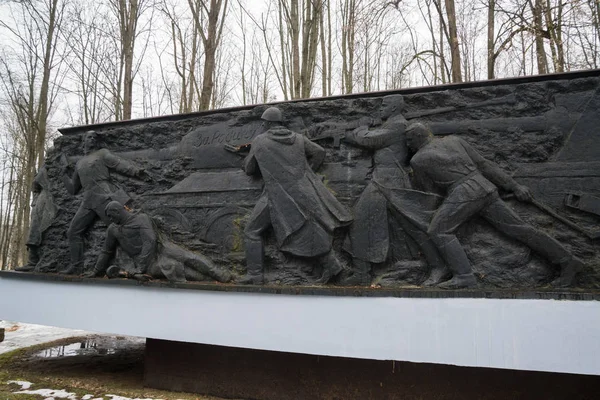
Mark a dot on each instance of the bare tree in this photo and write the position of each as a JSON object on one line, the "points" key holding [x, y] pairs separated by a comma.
{"points": [[128, 15], [449, 21], [501, 39], [297, 24], [30, 76], [186, 52], [90, 54], [209, 20], [349, 13], [255, 69]]}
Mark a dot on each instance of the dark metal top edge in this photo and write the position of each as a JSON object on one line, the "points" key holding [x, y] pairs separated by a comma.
{"points": [[337, 291], [413, 90]]}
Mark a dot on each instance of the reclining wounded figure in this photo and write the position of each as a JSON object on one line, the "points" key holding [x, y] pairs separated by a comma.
{"points": [[152, 256]]}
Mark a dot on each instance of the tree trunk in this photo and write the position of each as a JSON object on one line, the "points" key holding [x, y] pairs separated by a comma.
{"points": [[540, 52], [454, 46], [323, 52], [215, 17], [491, 59], [348, 40]]}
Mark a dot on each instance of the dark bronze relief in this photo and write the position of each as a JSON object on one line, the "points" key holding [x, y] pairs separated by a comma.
{"points": [[478, 186]]}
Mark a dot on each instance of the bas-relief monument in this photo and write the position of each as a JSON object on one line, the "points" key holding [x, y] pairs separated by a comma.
{"points": [[479, 186]]}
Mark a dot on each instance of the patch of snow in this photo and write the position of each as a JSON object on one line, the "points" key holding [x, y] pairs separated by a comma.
{"points": [[49, 393], [115, 397], [20, 335], [52, 394], [24, 384]]}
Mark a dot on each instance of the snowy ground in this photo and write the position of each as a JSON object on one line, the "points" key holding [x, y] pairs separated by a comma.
{"points": [[52, 394], [18, 335]]}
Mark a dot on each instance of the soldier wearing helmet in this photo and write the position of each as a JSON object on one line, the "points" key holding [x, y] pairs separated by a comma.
{"points": [[470, 183], [295, 203], [272, 114], [388, 200]]}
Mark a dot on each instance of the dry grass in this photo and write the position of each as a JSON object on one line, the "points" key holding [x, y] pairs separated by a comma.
{"points": [[119, 374]]}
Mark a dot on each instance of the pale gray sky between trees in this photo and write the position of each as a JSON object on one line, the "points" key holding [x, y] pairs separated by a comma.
{"points": [[75, 62]]}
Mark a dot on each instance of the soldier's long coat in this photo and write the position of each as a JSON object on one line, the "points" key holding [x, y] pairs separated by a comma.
{"points": [[303, 212], [43, 209]]}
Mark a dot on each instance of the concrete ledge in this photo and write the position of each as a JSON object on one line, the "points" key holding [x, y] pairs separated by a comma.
{"points": [[354, 291], [537, 335]]}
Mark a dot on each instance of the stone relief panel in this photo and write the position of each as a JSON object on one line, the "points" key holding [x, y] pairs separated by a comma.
{"points": [[480, 186]]}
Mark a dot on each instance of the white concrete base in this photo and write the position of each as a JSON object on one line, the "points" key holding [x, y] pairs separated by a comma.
{"points": [[537, 335]]}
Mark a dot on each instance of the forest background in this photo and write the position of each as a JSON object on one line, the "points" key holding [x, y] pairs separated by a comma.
{"points": [[79, 62]]}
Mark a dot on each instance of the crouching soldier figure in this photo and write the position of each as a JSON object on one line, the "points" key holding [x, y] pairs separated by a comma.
{"points": [[152, 256]]}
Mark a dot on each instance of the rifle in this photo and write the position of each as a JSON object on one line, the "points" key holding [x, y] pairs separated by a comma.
{"points": [[550, 211], [338, 130], [242, 150], [510, 99]]}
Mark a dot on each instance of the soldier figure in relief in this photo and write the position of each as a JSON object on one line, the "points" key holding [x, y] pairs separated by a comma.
{"points": [[43, 211], [152, 255], [388, 195], [92, 176], [470, 184], [295, 203]]}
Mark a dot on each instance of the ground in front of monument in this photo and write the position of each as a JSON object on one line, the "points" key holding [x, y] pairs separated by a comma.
{"points": [[42, 362]]}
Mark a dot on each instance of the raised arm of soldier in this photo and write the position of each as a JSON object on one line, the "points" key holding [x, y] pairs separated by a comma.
{"points": [[496, 175], [121, 165], [250, 165], [373, 138], [73, 184], [392, 130], [315, 154]]}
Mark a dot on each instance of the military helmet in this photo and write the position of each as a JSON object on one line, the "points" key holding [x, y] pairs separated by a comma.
{"points": [[272, 114]]}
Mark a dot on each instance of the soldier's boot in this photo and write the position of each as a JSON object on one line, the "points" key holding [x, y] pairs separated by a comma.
{"points": [[331, 267], [72, 269], [437, 275], [458, 262], [220, 275], [254, 263], [206, 267], [568, 270], [33, 259], [76, 249], [459, 282], [439, 271], [360, 275], [94, 273]]}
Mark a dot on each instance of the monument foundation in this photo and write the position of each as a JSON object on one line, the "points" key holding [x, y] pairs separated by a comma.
{"points": [[267, 375]]}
